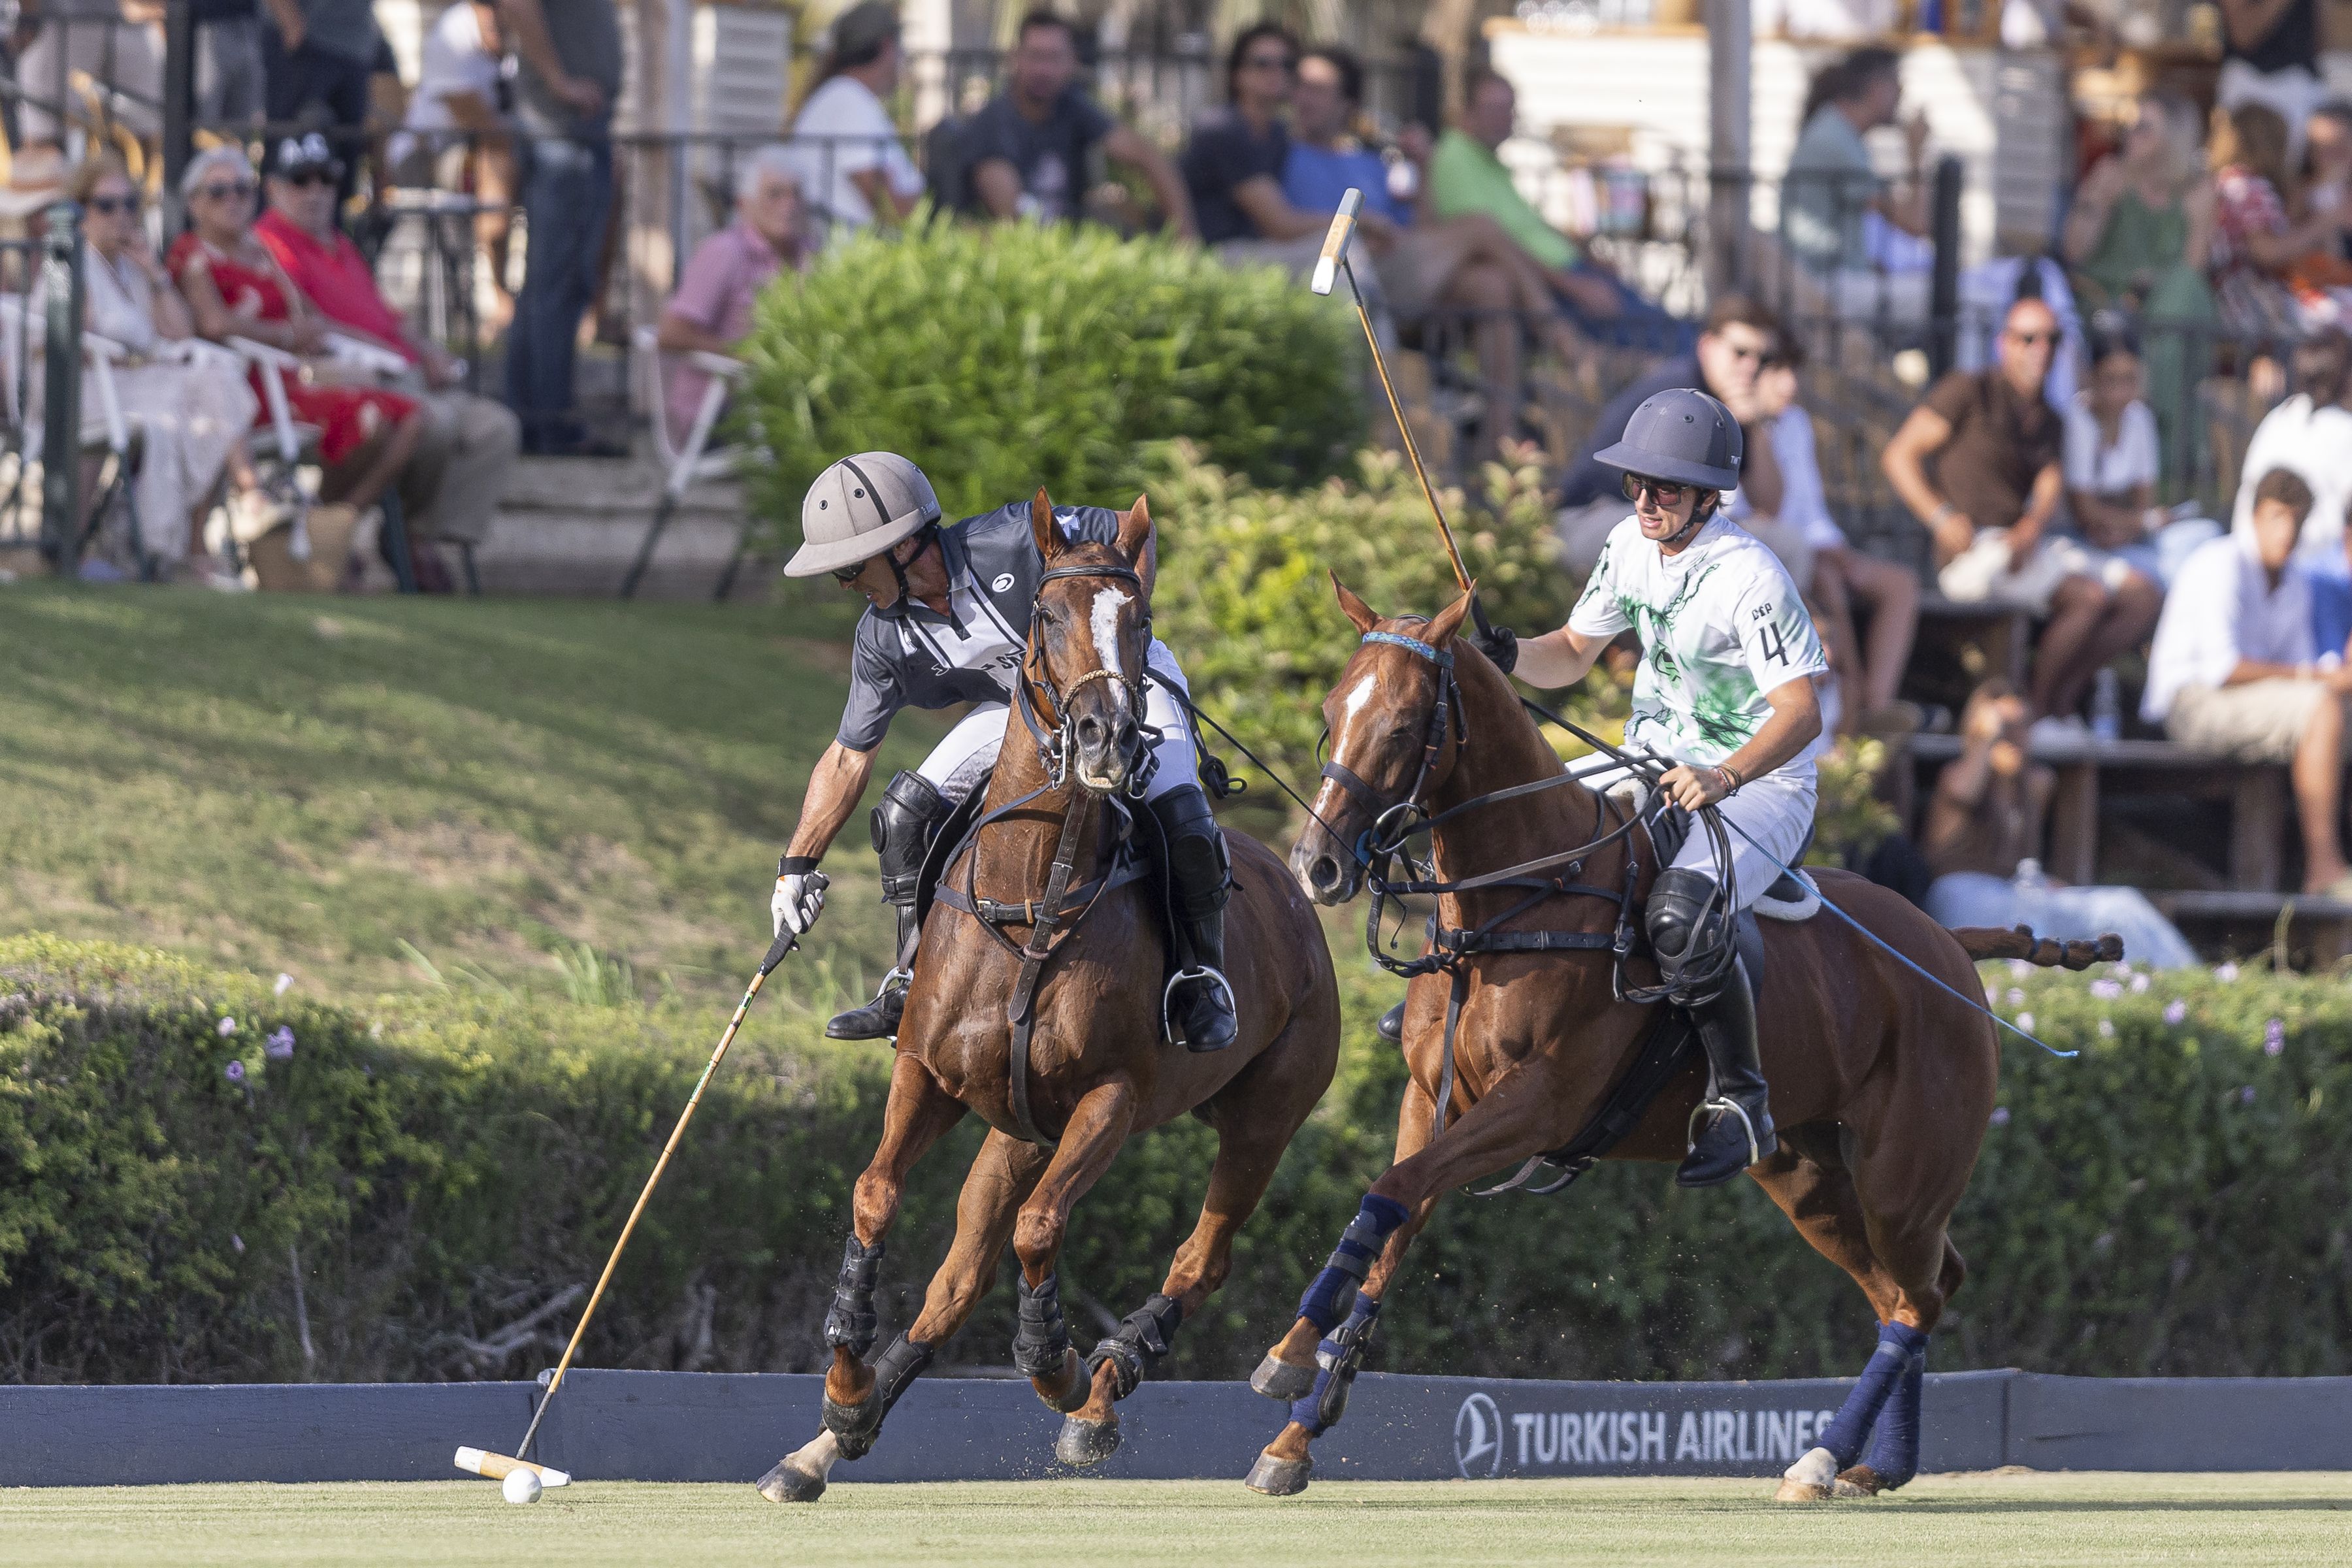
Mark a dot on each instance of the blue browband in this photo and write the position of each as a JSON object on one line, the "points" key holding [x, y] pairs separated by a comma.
{"points": [[1443, 659]]}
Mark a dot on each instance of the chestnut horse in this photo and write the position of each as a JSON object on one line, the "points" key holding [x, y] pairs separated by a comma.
{"points": [[1090, 1067], [1882, 1083]]}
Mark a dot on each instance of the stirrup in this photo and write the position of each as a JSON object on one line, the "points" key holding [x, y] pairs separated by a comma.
{"points": [[1719, 1104], [1167, 998]]}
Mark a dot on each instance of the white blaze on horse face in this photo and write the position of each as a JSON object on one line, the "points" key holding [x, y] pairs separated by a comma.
{"points": [[1354, 703], [1104, 618]]}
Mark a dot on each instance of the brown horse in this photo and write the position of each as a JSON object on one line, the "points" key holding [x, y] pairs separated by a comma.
{"points": [[1090, 1068], [1882, 1083]]}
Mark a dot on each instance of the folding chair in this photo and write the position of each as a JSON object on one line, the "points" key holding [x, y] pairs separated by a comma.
{"points": [[108, 435], [683, 466]]}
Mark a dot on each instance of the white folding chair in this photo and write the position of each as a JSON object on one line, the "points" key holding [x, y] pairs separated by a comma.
{"points": [[683, 465], [108, 435]]}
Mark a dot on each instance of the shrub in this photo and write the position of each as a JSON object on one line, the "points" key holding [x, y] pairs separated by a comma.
{"points": [[441, 1168], [1018, 354]]}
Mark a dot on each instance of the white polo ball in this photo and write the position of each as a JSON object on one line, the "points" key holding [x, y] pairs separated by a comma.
{"points": [[520, 1486]]}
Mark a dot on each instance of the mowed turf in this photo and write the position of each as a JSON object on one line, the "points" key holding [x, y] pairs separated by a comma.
{"points": [[2047, 1520], [331, 787]]}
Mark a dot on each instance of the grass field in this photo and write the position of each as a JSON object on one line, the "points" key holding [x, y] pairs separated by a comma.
{"points": [[2048, 1520], [333, 787]]}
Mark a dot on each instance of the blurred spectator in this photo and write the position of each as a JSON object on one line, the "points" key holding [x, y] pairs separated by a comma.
{"points": [[1838, 217], [2321, 276], [192, 411], [456, 134], [1993, 444], [231, 77], [1234, 161], [1027, 154], [1981, 836], [1870, 671], [2234, 672], [451, 488], [1466, 176], [2254, 243], [712, 307], [1739, 336], [235, 287], [317, 57], [569, 73], [2309, 434], [849, 134], [2110, 463], [113, 41], [2138, 236], [2270, 56]]}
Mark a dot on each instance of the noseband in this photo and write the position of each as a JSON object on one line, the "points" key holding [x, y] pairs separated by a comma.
{"points": [[1394, 823], [1055, 744]]}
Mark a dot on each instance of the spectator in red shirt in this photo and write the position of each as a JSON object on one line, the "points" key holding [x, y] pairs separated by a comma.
{"points": [[452, 488]]}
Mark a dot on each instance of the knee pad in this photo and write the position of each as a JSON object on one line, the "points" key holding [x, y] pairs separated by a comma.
{"points": [[903, 826], [1687, 921], [1197, 860]]}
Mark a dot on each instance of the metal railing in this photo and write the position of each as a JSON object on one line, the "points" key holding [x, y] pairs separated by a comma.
{"points": [[41, 455]]}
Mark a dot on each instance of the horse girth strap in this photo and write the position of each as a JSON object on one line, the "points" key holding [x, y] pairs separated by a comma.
{"points": [[1021, 1010]]}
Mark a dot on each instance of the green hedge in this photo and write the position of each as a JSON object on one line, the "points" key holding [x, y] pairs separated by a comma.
{"points": [[1015, 356], [2172, 1202]]}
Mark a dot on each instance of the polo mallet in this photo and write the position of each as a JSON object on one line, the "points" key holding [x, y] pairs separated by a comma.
{"points": [[1333, 261], [482, 1462]]}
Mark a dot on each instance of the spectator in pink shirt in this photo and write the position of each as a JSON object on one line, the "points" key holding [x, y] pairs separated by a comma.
{"points": [[712, 307]]}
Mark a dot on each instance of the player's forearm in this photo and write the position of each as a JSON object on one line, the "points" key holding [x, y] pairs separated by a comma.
{"points": [[1556, 658], [1794, 724], [833, 790]]}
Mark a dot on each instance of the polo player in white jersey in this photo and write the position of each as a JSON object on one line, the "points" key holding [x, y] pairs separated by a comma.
{"points": [[1726, 691]]}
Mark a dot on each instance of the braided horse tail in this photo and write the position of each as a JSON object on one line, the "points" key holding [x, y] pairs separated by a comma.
{"points": [[1980, 942]]}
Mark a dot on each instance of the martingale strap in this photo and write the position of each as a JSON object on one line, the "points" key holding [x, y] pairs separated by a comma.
{"points": [[1021, 1010]]}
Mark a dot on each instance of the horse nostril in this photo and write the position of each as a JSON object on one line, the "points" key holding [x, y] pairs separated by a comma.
{"points": [[1324, 872], [1090, 731]]}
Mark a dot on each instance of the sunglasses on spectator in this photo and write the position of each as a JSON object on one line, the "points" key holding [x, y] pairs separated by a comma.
{"points": [[2032, 340], [223, 190], [107, 206], [313, 175], [1665, 492], [1282, 63]]}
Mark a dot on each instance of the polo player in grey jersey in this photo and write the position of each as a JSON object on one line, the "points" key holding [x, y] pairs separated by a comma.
{"points": [[947, 624]]}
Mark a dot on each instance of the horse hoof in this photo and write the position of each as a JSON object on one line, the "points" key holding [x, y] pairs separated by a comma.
{"points": [[1085, 1442], [785, 1484], [1279, 1380], [1271, 1477], [1802, 1492], [1859, 1481]]}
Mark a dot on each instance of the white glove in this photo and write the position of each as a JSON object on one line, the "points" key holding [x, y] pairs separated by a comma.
{"points": [[798, 901]]}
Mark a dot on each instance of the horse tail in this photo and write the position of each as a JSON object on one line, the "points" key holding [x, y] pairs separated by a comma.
{"points": [[1980, 942]]}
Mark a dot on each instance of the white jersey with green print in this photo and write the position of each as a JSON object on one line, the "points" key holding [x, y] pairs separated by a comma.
{"points": [[1721, 624]]}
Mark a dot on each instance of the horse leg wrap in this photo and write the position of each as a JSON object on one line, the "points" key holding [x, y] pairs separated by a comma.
{"points": [[1333, 1289], [1895, 1446], [1041, 1341], [1339, 1358], [856, 1426], [849, 1325], [1898, 1344], [1140, 1344]]}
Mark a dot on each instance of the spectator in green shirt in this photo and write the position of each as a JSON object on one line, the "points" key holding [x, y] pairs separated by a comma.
{"points": [[1467, 175]]}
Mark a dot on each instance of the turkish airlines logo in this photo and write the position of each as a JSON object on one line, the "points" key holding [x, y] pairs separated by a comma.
{"points": [[1478, 1438]]}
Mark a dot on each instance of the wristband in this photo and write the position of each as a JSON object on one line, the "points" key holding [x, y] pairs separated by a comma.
{"points": [[795, 865], [1731, 780]]}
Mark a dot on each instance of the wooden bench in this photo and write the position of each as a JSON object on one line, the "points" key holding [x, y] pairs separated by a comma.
{"points": [[2327, 923], [2256, 794], [2001, 629]]}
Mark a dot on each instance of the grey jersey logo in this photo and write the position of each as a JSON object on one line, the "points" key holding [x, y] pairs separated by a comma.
{"points": [[1003, 581]]}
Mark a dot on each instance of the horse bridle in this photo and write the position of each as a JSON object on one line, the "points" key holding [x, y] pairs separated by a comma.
{"points": [[1054, 742], [1393, 823]]}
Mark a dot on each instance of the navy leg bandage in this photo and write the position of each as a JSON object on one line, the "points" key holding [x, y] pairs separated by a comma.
{"points": [[1895, 1446], [1898, 1345], [1337, 1360], [1329, 1296]]}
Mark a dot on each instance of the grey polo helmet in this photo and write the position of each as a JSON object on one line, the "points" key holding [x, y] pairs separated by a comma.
{"points": [[1682, 435], [857, 508]]}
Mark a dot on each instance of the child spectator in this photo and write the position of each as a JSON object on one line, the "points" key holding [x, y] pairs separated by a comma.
{"points": [[2111, 462]]}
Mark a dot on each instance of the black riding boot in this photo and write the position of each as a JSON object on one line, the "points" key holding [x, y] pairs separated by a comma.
{"points": [[1733, 1128], [1690, 932], [1199, 1001], [903, 826], [1390, 1026]]}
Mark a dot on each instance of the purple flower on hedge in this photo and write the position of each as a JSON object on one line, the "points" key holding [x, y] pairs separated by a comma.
{"points": [[2106, 990], [2246, 1095], [2025, 1022], [2015, 997], [226, 1027], [238, 1242], [2274, 1037], [283, 981], [2225, 972], [2139, 984], [2175, 1011], [2106, 1029], [2000, 1116], [281, 1044], [234, 1072]]}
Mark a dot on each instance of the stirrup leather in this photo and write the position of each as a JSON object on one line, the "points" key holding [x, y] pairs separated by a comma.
{"points": [[1198, 972], [1719, 1104]]}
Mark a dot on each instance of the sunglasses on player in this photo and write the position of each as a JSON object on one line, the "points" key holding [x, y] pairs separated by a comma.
{"points": [[1666, 492]]}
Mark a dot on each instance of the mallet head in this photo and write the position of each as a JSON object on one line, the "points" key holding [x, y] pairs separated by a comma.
{"points": [[499, 1467], [1335, 241]]}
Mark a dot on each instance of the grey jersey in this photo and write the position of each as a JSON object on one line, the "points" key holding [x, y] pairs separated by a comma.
{"points": [[909, 656]]}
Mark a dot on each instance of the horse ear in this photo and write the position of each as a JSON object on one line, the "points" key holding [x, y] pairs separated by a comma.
{"points": [[1135, 541], [1357, 610], [1449, 619], [1047, 534]]}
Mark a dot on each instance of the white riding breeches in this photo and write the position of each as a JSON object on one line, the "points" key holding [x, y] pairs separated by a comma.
{"points": [[956, 765], [1768, 819]]}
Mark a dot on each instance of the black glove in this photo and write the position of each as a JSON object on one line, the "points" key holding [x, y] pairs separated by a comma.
{"points": [[1500, 645]]}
